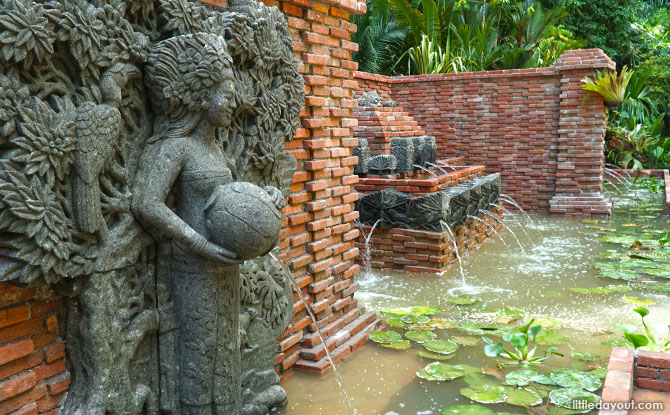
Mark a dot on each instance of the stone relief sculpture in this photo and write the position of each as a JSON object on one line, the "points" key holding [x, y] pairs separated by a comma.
{"points": [[167, 106]]}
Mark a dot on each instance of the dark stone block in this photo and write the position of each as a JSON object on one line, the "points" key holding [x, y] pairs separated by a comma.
{"points": [[402, 148], [382, 164], [362, 150]]}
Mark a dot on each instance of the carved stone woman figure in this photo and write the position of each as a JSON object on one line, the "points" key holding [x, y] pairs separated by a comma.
{"points": [[191, 86]]}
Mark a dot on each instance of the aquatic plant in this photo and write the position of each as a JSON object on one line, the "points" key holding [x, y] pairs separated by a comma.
{"points": [[520, 340], [647, 341]]}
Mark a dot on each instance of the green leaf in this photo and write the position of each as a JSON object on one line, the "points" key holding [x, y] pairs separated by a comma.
{"points": [[426, 311], [485, 394], [396, 312], [440, 372], [420, 336], [441, 346], [516, 339], [396, 322], [571, 378], [521, 397], [568, 397], [465, 340], [601, 290], [493, 350], [434, 356], [638, 340], [399, 345], [639, 301], [642, 311], [415, 319], [462, 300], [626, 328], [467, 410], [521, 377], [534, 331], [385, 336]]}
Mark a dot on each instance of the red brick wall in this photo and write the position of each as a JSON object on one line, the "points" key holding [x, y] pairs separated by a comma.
{"points": [[373, 82], [528, 124], [652, 371], [33, 377], [318, 240]]}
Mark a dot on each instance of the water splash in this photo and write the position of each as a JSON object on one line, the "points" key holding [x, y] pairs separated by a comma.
{"points": [[444, 163], [425, 169], [450, 234], [367, 257], [495, 217], [437, 167], [296, 287]]}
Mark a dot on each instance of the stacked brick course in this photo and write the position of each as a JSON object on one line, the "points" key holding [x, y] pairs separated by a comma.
{"points": [[528, 124], [318, 239], [652, 371], [410, 250], [379, 124], [33, 377]]}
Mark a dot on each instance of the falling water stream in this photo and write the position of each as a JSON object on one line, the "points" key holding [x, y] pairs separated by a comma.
{"points": [[447, 228], [367, 258], [296, 288], [488, 225], [438, 167], [504, 225], [432, 173], [444, 163]]}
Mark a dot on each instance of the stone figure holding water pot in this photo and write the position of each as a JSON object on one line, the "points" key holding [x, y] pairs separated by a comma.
{"points": [[183, 171]]}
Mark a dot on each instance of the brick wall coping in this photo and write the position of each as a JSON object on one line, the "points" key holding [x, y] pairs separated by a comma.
{"points": [[628, 369], [352, 6], [570, 60]]}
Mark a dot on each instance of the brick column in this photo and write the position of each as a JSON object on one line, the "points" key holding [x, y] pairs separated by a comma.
{"points": [[581, 133], [318, 240]]}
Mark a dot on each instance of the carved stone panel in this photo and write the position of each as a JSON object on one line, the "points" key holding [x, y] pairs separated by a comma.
{"points": [[427, 212], [402, 148], [419, 151], [362, 151], [382, 164]]}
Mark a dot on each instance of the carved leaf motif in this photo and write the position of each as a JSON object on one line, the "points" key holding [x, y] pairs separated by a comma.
{"points": [[27, 34]]}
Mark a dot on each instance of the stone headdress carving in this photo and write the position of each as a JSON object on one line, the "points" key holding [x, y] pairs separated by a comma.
{"points": [[74, 117]]}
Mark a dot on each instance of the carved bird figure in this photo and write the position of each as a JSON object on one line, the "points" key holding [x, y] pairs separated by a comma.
{"points": [[98, 130]]}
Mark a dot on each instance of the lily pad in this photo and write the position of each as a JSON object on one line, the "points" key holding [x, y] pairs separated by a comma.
{"points": [[660, 272], [600, 372], [663, 288], [467, 410], [440, 372], [415, 319], [571, 378], [625, 240], [385, 337], [441, 346], [521, 397], [619, 275], [585, 357], [426, 311], [420, 336], [547, 323], [434, 356], [485, 394], [396, 322], [396, 312], [639, 301], [617, 343], [477, 378], [601, 290], [521, 377], [569, 397], [465, 340], [549, 337], [462, 300], [399, 345]]}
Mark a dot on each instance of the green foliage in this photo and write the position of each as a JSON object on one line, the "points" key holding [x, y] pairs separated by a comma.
{"points": [[609, 85], [647, 340], [520, 340]]}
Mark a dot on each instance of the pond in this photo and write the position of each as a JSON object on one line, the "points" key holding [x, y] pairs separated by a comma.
{"points": [[576, 279]]}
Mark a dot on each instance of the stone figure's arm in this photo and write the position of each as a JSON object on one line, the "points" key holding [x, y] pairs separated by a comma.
{"points": [[156, 176]]}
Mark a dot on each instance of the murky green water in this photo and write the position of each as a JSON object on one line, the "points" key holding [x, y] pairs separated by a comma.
{"points": [[560, 254]]}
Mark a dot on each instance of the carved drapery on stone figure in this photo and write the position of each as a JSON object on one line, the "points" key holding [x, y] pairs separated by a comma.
{"points": [[125, 126]]}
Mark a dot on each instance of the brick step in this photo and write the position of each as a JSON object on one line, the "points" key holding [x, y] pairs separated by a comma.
{"points": [[352, 343], [338, 338]]}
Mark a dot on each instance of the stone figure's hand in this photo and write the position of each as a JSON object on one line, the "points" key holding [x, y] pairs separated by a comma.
{"points": [[212, 251], [276, 196]]}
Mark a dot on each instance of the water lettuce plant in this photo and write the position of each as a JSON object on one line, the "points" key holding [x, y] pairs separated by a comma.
{"points": [[647, 340], [521, 340]]}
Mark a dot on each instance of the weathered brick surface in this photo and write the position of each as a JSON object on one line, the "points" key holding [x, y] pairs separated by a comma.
{"points": [[318, 238], [33, 376], [421, 251], [528, 124]]}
